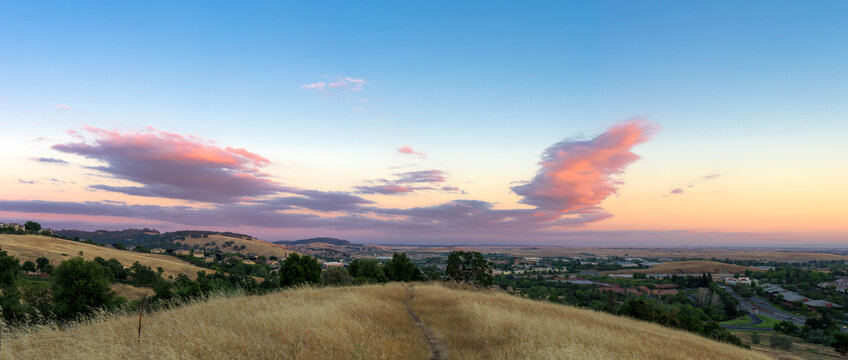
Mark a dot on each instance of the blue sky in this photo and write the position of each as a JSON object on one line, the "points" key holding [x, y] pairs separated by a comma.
{"points": [[482, 87]]}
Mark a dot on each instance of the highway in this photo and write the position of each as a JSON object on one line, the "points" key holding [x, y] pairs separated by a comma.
{"points": [[762, 307]]}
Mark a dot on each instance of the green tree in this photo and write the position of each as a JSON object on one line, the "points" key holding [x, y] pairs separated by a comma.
{"points": [[10, 296], [336, 276], [840, 344], [400, 268], [786, 327], [79, 288], [469, 266], [28, 266], [297, 269], [42, 263], [32, 226], [367, 271]]}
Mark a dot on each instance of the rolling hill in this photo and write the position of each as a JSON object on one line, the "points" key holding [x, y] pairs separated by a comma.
{"points": [[325, 240], [691, 267], [247, 245], [31, 247], [394, 321]]}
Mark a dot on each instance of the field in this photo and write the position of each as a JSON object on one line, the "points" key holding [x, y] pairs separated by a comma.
{"points": [[690, 267], [251, 246], [31, 247], [800, 350], [553, 251], [393, 321]]}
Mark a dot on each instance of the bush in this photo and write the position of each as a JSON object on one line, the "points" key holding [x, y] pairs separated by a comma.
{"points": [[780, 342], [79, 288], [366, 271], [336, 276], [786, 328], [755, 338]]}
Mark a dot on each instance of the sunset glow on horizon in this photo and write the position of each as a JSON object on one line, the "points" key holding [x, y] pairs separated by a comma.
{"points": [[578, 128]]}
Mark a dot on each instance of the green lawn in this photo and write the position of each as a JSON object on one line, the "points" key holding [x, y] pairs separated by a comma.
{"points": [[767, 323]]}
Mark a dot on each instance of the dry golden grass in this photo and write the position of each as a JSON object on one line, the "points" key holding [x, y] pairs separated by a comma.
{"points": [[31, 247], [690, 267], [368, 322], [252, 246], [338, 323], [477, 325], [131, 292], [800, 350], [736, 254]]}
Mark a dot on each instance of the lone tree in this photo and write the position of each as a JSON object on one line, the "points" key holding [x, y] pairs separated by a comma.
{"points": [[297, 269], [28, 266], [32, 226], [469, 266], [400, 268], [80, 287]]}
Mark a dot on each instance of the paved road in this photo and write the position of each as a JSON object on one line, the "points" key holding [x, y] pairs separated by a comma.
{"points": [[762, 307]]}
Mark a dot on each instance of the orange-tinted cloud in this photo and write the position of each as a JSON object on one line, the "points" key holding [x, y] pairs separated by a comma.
{"points": [[576, 176]]}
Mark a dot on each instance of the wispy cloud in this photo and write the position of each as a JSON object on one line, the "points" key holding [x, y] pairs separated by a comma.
{"points": [[701, 180], [344, 83], [62, 106], [28, 182], [408, 150], [51, 161]]}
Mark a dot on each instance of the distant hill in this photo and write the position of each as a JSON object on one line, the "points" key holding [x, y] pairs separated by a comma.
{"points": [[691, 267], [31, 247], [183, 239], [325, 240], [393, 321]]}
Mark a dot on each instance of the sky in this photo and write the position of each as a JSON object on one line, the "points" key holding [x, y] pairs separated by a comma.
{"points": [[607, 123]]}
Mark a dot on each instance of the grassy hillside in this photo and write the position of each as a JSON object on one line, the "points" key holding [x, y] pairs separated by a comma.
{"points": [[251, 246], [392, 321], [691, 267], [31, 247]]}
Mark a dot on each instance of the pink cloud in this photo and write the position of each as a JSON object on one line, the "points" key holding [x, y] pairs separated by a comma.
{"points": [[676, 191], [174, 166], [576, 176], [408, 150], [62, 106]]}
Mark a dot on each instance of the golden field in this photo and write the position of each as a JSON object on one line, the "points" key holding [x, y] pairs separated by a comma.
{"points": [[31, 247], [690, 267], [367, 322], [251, 246], [554, 251]]}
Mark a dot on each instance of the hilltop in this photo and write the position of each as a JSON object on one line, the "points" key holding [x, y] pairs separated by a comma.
{"points": [[183, 239], [393, 321], [324, 240], [691, 267], [31, 247]]}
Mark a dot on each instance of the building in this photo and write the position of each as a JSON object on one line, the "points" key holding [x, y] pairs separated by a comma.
{"points": [[840, 284], [793, 297], [157, 251], [182, 252], [333, 264], [740, 280]]}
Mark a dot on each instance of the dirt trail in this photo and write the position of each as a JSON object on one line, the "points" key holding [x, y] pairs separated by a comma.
{"points": [[436, 347]]}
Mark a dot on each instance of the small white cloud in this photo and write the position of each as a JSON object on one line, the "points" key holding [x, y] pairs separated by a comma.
{"points": [[63, 106]]}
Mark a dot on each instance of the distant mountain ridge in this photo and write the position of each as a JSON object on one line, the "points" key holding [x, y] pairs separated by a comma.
{"points": [[325, 240]]}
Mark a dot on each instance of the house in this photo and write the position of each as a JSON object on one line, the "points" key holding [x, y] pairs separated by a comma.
{"points": [[735, 281], [840, 284], [248, 262], [182, 252], [627, 264], [333, 264], [665, 286], [199, 255], [209, 259], [157, 251]]}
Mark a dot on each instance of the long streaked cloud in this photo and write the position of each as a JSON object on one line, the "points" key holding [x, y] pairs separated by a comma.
{"points": [[573, 179], [701, 180], [51, 161], [344, 83]]}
